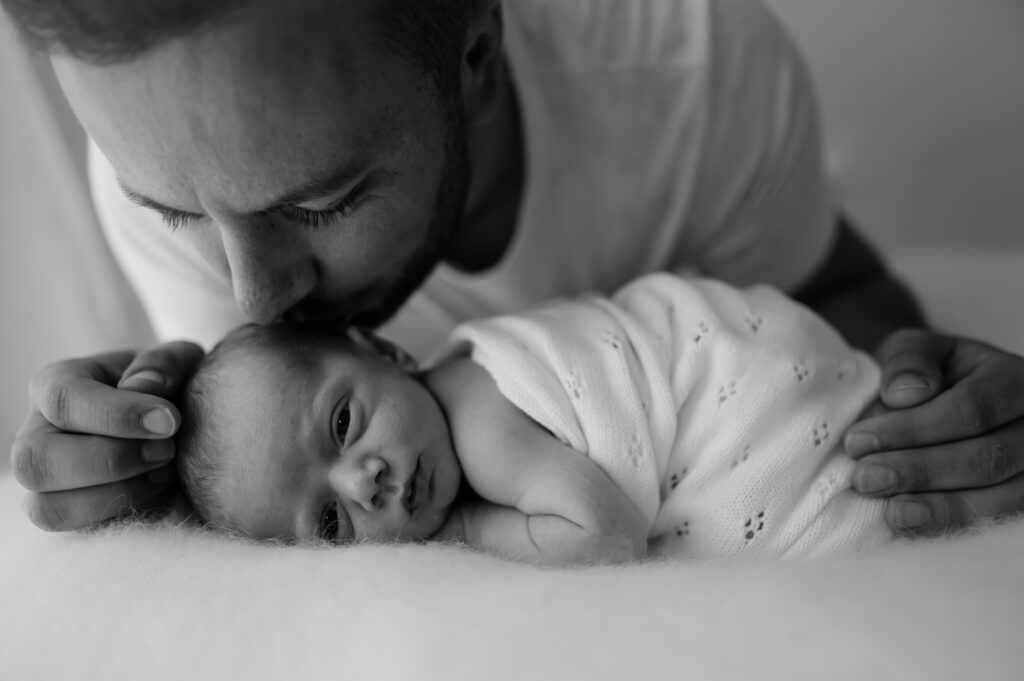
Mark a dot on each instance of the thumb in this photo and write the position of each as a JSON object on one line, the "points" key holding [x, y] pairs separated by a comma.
{"points": [[912, 361], [162, 370]]}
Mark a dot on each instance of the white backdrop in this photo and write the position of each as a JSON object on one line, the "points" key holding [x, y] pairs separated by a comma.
{"points": [[923, 101], [59, 293]]}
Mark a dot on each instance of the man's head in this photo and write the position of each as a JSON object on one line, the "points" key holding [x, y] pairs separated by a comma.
{"points": [[313, 152], [297, 433]]}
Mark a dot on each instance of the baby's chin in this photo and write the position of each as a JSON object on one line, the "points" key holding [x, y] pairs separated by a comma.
{"points": [[425, 526]]}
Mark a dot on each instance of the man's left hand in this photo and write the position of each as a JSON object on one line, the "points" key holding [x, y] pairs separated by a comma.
{"points": [[950, 449]]}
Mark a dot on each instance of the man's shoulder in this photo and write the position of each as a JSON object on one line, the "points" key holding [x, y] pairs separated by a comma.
{"points": [[579, 35]]}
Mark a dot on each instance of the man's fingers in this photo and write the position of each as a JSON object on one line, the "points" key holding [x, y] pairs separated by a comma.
{"points": [[935, 513], [987, 399], [161, 370], [911, 361], [979, 462], [76, 401], [88, 450], [53, 461], [78, 508]]}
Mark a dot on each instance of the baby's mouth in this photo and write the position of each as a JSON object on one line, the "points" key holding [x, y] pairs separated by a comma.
{"points": [[412, 494]]}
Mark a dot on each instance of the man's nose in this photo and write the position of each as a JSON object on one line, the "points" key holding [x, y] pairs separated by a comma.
{"points": [[271, 268], [360, 479]]}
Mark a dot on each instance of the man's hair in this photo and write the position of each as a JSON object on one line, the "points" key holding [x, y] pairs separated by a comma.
{"points": [[111, 31], [431, 33], [201, 441]]}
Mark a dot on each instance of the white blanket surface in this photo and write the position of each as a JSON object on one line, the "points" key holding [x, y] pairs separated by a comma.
{"points": [[167, 603]]}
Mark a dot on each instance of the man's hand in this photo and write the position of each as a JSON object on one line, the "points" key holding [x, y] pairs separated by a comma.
{"points": [[951, 450], [97, 441]]}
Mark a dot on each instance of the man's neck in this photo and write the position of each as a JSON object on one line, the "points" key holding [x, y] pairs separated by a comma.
{"points": [[496, 184]]}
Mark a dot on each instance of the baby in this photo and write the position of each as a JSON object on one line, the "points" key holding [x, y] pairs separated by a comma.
{"points": [[683, 418]]}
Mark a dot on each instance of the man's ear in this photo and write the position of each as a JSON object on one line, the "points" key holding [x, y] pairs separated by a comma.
{"points": [[370, 342], [482, 61]]}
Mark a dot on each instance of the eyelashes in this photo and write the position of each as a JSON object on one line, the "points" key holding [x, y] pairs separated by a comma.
{"points": [[329, 527], [329, 523], [319, 218], [342, 424], [176, 220]]}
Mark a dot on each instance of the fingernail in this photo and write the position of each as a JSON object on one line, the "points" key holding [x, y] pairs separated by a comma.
{"points": [[871, 478], [157, 451], [859, 444], [159, 421], [910, 515], [162, 475], [146, 375], [908, 382]]}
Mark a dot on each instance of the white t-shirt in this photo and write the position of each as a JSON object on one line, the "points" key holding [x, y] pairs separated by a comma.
{"points": [[660, 135]]}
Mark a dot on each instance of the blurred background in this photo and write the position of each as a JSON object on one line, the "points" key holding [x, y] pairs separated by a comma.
{"points": [[923, 103]]}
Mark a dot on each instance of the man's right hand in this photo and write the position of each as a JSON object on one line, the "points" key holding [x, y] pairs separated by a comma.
{"points": [[97, 441]]}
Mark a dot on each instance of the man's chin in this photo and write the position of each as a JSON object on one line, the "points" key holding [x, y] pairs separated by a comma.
{"points": [[369, 315], [373, 318]]}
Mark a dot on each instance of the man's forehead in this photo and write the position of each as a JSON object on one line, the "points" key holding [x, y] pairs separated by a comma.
{"points": [[335, 38], [250, 111]]}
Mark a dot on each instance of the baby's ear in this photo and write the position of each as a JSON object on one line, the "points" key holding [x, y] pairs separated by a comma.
{"points": [[383, 348]]}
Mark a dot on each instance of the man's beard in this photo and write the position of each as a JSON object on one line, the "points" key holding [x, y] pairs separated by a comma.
{"points": [[377, 303]]}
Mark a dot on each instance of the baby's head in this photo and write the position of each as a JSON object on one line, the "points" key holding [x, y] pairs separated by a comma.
{"points": [[300, 433]]}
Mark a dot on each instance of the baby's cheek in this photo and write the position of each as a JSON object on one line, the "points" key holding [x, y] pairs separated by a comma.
{"points": [[434, 523]]}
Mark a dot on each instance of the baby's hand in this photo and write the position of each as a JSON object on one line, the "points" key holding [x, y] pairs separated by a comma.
{"points": [[605, 537]]}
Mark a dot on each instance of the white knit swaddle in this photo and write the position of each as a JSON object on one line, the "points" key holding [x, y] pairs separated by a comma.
{"points": [[719, 412]]}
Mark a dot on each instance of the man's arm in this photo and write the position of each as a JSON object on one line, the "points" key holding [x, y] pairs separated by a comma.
{"points": [[542, 501], [855, 292], [949, 447], [952, 448]]}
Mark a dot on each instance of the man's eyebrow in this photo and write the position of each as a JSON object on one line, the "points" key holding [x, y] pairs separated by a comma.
{"points": [[314, 188]]}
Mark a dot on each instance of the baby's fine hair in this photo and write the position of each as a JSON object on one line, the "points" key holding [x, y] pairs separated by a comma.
{"points": [[201, 442]]}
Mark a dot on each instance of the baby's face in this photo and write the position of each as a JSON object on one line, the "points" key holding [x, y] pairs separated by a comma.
{"points": [[345, 447]]}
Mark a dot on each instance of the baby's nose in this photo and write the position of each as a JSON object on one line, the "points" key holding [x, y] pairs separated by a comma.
{"points": [[362, 483]]}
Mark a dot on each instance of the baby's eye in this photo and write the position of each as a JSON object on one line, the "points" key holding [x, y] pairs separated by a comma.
{"points": [[341, 427], [329, 523]]}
